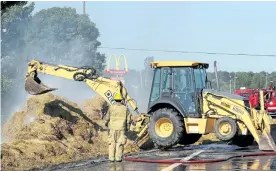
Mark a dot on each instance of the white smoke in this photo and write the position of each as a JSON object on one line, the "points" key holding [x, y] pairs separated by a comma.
{"points": [[71, 53]]}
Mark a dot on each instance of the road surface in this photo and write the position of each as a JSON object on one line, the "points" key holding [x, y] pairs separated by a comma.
{"points": [[212, 151]]}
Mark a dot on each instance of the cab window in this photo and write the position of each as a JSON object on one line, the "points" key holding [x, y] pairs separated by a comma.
{"points": [[183, 80], [155, 92], [166, 87], [199, 78]]}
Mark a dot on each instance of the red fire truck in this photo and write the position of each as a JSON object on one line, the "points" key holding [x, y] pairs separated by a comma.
{"points": [[253, 96]]}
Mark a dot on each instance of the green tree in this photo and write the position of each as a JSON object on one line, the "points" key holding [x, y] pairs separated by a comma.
{"points": [[14, 19], [15, 16], [272, 77], [55, 35], [7, 4], [258, 81], [244, 79], [5, 84], [61, 36]]}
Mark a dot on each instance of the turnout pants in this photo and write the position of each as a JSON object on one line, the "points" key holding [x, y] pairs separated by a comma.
{"points": [[117, 140]]}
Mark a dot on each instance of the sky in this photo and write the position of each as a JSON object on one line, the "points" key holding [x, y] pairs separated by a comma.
{"points": [[226, 27]]}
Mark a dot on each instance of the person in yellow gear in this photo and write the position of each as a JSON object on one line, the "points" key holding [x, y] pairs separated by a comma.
{"points": [[118, 120]]}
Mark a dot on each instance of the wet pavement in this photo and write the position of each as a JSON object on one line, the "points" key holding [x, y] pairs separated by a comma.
{"points": [[250, 163], [202, 152]]}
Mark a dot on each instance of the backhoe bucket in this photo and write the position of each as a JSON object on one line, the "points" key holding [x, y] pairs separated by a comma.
{"points": [[267, 141], [34, 86]]}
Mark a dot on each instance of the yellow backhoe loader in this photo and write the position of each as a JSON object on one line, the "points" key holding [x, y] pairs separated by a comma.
{"points": [[182, 105]]}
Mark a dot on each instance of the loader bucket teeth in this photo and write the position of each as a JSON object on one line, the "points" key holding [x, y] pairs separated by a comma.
{"points": [[34, 86]]}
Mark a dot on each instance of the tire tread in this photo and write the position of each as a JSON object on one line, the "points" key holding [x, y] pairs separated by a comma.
{"points": [[179, 129]]}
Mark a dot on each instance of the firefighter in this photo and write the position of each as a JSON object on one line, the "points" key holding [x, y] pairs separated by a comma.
{"points": [[118, 120]]}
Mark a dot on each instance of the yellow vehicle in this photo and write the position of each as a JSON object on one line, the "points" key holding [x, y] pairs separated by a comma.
{"points": [[105, 87], [182, 105]]}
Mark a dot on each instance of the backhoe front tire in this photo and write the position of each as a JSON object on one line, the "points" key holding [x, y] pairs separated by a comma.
{"points": [[166, 128], [225, 128]]}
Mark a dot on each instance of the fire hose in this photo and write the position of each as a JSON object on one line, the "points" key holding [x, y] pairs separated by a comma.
{"points": [[168, 161]]}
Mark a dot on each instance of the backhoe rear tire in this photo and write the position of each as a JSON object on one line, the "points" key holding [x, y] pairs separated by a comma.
{"points": [[166, 128]]}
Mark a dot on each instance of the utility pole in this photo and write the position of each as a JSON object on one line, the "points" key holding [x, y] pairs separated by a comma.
{"points": [[266, 79], [235, 83], [216, 73], [83, 6], [230, 84], [141, 78]]}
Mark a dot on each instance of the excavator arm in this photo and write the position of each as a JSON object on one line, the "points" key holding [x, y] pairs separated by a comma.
{"points": [[105, 87]]}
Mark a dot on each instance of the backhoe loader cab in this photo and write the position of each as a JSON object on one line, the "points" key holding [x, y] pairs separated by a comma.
{"points": [[183, 108], [179, 84]]}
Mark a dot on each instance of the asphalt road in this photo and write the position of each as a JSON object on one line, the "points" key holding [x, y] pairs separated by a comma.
{"points": [[213, 151], [250, 163]]}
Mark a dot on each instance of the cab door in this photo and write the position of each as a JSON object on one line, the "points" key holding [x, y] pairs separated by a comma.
{"points": [[161, 86], [156, 86], [184, 89], [166, 80]]}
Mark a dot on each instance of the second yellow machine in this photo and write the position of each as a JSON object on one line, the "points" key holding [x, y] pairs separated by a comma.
{"points": [[182, 106]]}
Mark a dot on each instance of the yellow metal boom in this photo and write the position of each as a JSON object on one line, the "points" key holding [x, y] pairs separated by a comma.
{"points": [[105, 87]]}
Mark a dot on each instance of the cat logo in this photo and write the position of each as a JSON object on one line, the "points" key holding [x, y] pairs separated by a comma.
{"points": [[109, 96]]}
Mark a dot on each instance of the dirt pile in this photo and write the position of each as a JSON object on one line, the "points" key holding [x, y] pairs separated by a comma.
{"points": [[50, 130], [92, 107]]}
